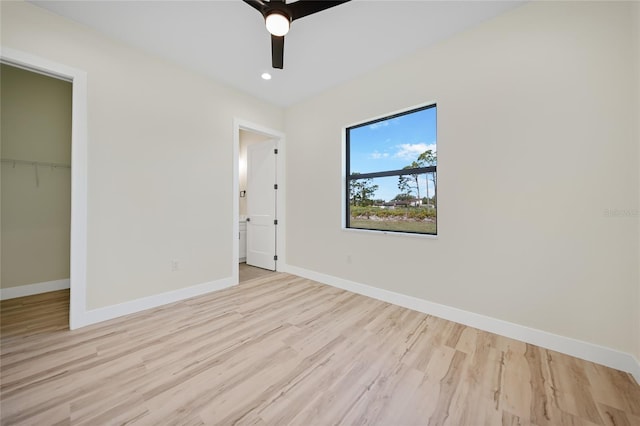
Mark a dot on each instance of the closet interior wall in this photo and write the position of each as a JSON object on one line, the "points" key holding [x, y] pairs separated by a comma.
{"points": [[36, 179]]}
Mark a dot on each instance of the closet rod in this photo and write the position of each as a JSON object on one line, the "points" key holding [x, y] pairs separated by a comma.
{"points": [[36, 163]]}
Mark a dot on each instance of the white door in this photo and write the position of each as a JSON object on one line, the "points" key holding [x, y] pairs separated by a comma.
{"points": [[261, 205]]}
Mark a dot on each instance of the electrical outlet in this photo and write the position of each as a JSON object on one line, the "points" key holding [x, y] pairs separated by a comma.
{"points": [[175, 265], [349, 259]]}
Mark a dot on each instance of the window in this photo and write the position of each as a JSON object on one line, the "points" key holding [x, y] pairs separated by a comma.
{"points": [[391, 182]]}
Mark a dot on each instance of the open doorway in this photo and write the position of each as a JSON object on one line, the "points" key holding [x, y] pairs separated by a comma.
{"points": [[36, 184], [78, 222], [258, 199]]}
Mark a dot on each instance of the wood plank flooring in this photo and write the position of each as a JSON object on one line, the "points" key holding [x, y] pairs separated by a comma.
{"points": [[248, 272], [283, 350]]}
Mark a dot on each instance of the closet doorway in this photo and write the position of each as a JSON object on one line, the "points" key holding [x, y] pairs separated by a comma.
{"points": [[35, 191]]}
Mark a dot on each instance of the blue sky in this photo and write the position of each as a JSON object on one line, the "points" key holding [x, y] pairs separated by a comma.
{"points": [[391, 145]]}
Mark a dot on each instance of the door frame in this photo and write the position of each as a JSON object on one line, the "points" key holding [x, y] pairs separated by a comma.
{"points": [[78, 238], [240, 124]]}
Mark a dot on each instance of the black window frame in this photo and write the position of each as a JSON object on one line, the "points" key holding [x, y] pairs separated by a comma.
{"points": [[358, 176]]}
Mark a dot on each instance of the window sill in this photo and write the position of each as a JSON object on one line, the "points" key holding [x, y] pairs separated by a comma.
{"points": [[391, 233]]}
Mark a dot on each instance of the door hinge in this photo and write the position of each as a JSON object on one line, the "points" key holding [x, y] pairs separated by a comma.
{"points": [[275, 150], [275, 257], [275, 186], [275, 221]]}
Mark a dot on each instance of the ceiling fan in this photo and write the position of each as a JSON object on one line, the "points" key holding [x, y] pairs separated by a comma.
{"points": [[278, 16]]}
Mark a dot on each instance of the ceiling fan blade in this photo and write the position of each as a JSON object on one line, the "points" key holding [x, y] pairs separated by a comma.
{"points": [[258, 5], [303, 8], [277, 51]]}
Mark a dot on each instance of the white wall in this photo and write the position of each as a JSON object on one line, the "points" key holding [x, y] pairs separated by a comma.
{"points": [[636, 38], [160, 143], [537, 141]]}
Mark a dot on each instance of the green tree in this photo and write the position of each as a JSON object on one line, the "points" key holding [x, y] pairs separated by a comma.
{"points": [[429, 158], [410, 183], [403, 197], [361, 191]]}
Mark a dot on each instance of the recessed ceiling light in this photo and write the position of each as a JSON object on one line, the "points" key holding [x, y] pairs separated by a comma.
{"points": [[266, 76]]}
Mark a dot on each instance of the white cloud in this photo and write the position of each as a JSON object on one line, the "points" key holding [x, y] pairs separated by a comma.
{"points": [[411, 151], [375, 155]]}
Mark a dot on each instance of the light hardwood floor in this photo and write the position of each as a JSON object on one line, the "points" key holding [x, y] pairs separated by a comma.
{"points": [[282, 350], [248, 272]]}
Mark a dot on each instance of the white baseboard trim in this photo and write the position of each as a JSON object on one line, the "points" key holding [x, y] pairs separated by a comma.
{"points": [[110, 312], [31, 289], [577, 348]]}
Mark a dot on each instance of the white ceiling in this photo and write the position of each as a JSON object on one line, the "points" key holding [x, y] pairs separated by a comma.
{"points": [[227, 40]]}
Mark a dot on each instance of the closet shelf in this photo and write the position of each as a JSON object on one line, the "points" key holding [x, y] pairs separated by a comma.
{"points": [[35, 163]]}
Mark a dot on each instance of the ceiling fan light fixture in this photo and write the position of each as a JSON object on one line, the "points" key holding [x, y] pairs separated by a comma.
{"points": [[278, 16], [277, 23]]}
